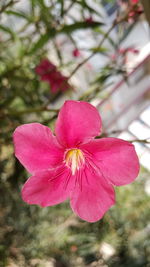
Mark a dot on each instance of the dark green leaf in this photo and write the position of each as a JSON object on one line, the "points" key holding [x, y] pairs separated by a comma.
{"points": [[80, 25], [61, 7], [7, 30], [111, 41], [101, 50], [89, 8], [65, 29], [42, 41], [126, 33]]}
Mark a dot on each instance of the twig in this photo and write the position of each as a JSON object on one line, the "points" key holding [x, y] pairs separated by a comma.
{"points": [[69, 7], [26, 111], [8, 4], [145, 141]]}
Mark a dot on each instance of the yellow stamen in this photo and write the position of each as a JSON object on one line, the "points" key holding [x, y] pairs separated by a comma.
{"points": [[74, 159]]}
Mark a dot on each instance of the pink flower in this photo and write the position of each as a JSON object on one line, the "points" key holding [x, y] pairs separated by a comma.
{"points": [[89, 20], [76, 53], [123, 52], [73, 164], [49, 73], [133, 50], [135, 12], [134, 2], [128, 49], [113, 57]]}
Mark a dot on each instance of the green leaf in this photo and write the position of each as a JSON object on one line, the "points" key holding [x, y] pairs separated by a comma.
{"points": [[42, 41], [61, 7], [126, 33], [89, 8], [79, 25], [7, 30], [65, 29], [39, 3], [19, 14], [101, 50], [111, 41]]}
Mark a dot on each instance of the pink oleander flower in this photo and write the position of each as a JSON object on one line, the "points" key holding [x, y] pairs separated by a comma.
{"points": [[49, 73], [72, 164]]}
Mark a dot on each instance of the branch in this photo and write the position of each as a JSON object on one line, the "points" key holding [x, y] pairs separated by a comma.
{"points": [[8, 5], [145, 141], [69, 7]]}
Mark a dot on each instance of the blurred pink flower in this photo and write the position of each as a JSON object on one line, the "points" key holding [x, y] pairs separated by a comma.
{"points": [[128, 49], [133, 50], [135, 12], [134, 2], [49, 73], [73, 164], [133, 15], [113, 57], [76, 52], [89, 19], [123, 52]]}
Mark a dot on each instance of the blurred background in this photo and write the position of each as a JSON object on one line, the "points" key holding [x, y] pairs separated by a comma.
{"points": [[92, 50]]}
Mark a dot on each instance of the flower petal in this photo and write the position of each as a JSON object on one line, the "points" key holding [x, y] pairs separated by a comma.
{"points": [[45, 66], [48, 188], [116, 159], [93, 198], [77, 122], [36, 147]]}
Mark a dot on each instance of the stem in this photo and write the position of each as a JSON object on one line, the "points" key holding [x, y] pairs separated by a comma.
{"points": [[9, 4], [145, 141], [69, 7], [36, 110]]}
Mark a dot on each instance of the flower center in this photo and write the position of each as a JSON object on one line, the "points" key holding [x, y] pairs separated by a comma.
{"points": [[74, 159]]}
